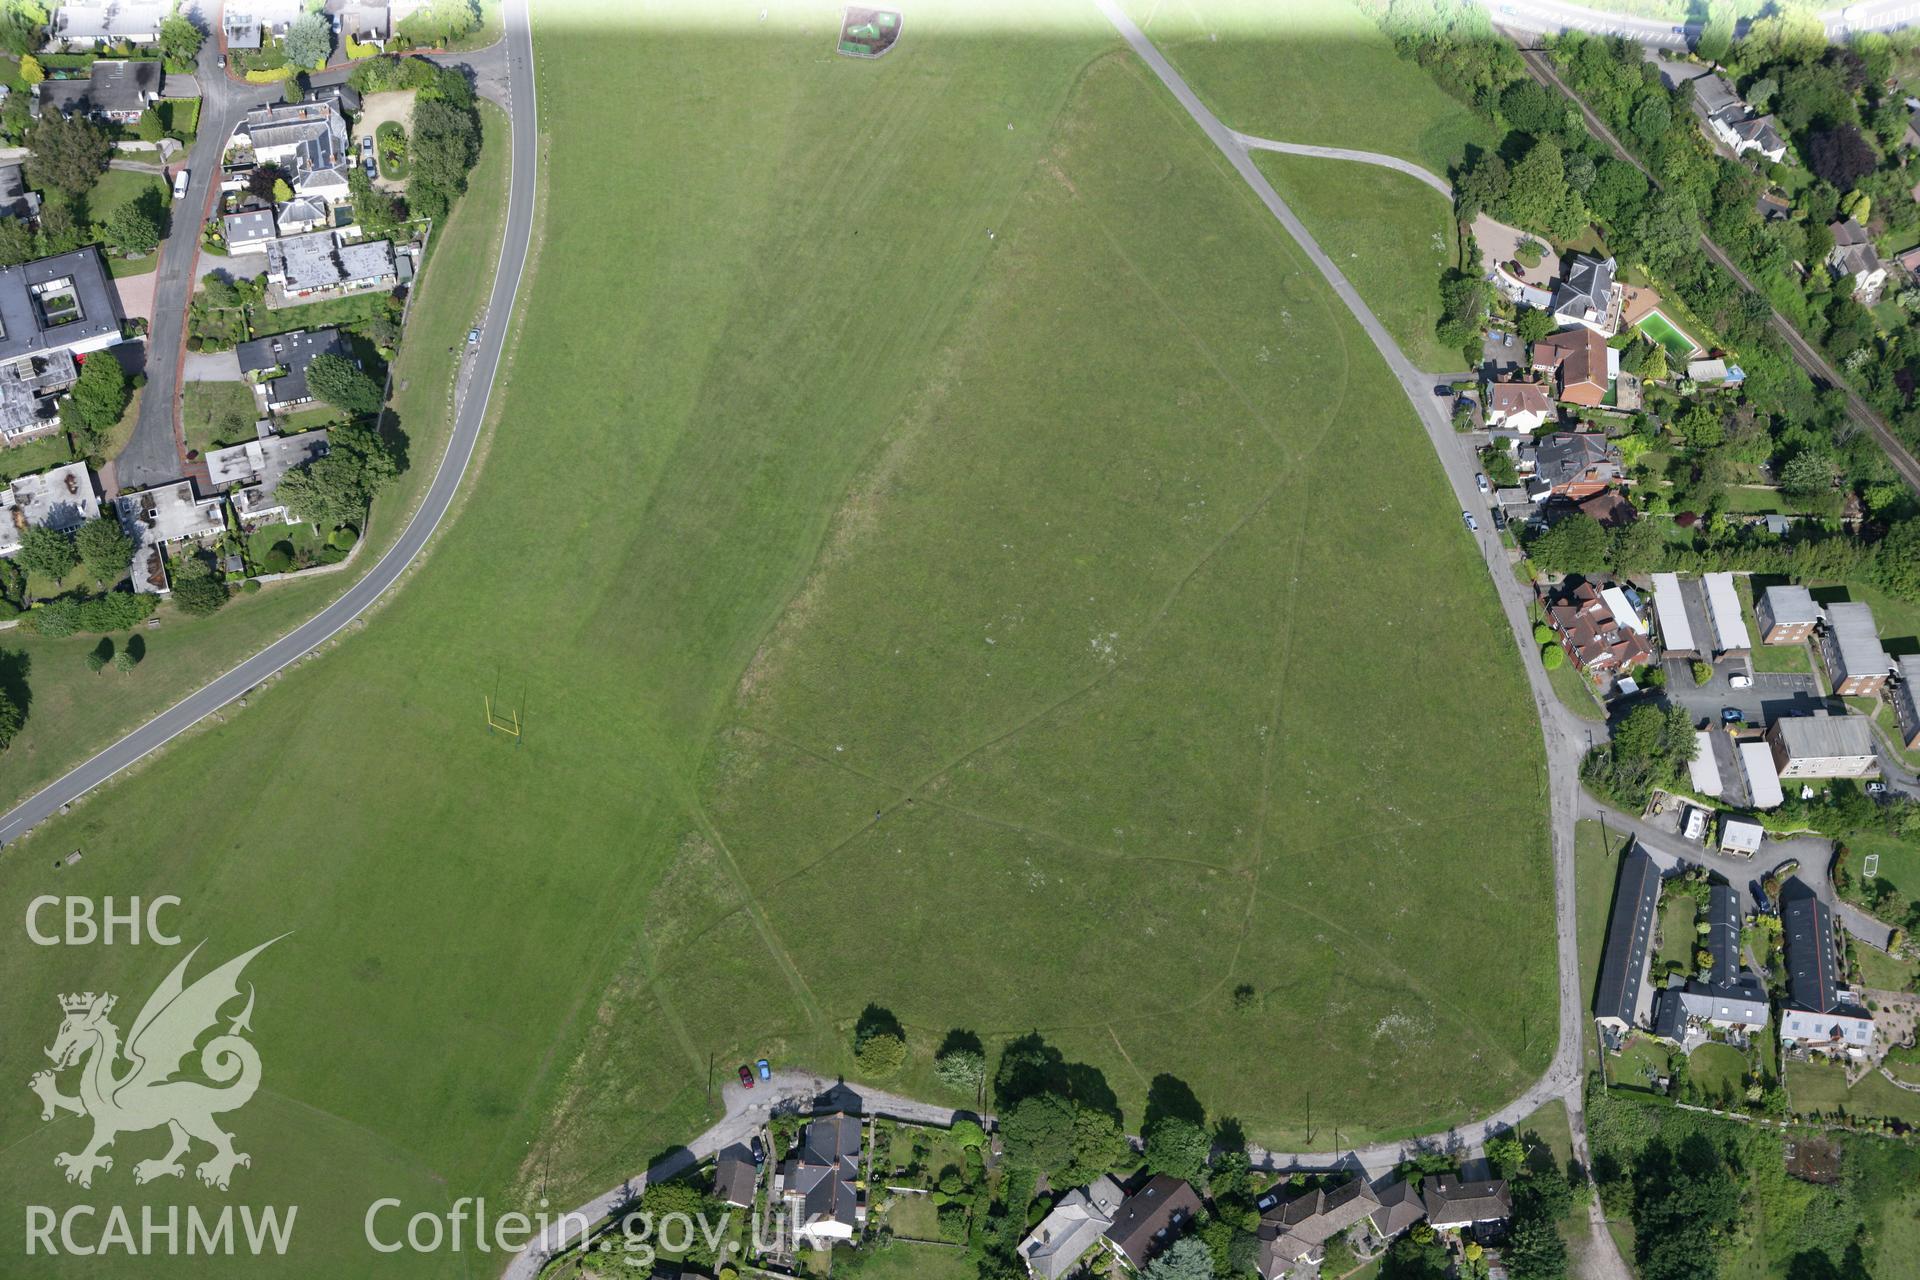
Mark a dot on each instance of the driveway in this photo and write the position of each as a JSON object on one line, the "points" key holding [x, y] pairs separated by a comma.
{"points": [[211, 366], [136, 295], [377, 109], [1772, 696]]}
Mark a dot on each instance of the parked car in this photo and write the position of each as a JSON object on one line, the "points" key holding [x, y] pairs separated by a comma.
{"points": [[1732, 715], [1443, 390], [766, 1069], [746, 1075], [366, 146], [1499, 518], [759, 1150], [1269, 1200], [1508, 342], [1473, 526], [1480, 478], [1740, 680], [1876, 789], [180, 182], [1761, 902], [1696, 828]]}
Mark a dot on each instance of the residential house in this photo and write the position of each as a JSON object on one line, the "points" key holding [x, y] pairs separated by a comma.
{"points": [[1726, 618], [114, 90], [250, 473], [249, 231], [1772, 206], [1904, 693], [364, 23], [156, 517], [1519, 406], [307, 139], [15, 200], [1588, 295], [61, 499], [1582, 364], [64, 303], [1823, 746], [344, 98], [304, 213], [1819, 1016], [735, 1177], [1299, 1229], [1728, 998], [1762, 775], [1621, 1000], [1857, 665], [1453, 1205], [1854, 261], [1594, 636], [248, 24], [300, 266], [1740, 836], [820, 1181], [1573, 464], [1401, 1205], [1752, 133], [1152, 1218], [291, 354], [76, 28], [30, 388], [1611, 508], [1787, 615], [1075, 1225]]}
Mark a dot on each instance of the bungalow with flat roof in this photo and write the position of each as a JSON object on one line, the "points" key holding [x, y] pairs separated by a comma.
{"points": [[1582, 363], [15, 200], [1453, 1205], [820, 1182], [1151, 1219], [1300, 1228], [325, 260], [250, 473], [170, 513], [1818, 1015], [1740, 836], [1621, 999], [1904, 694], [1857, 665], [30, 388], [62, 499], [291, 354], [247, 24], [76, 28], [1573, 464], [1074, 1226], [249, 231], [1519, 406], [1786, 615], [114, 90], [1588, 295], [1823, 746], [64, 303]]}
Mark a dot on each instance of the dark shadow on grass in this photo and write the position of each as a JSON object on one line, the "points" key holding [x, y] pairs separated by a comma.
{"points": [[1171, 1098], [14, 668]]}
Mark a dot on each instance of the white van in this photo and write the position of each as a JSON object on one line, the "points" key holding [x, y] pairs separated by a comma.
{"points": [[180, 184]]}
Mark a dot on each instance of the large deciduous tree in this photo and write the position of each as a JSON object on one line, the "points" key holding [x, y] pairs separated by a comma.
{"points": [[68, 153], [1841, 155], [342, 384]]}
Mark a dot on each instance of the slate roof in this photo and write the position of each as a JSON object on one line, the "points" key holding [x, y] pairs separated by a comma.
{"points": [[1074, 1226], [112, 85], [1623, 965], [735, 1177], [293, 352], [822, 1171], [1400, 1206], [1812, 981], [1152, 1217], [1451, 1202], [1566, 458], [1585, 292]]}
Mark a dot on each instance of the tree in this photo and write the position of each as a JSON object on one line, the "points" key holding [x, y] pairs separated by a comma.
{"points": [[16, 242], [1538, 196], [1808, 474], [378, 214], [1038, 1132], [1841, 156], [148, 127], [1575, 544], [124, 661], [1532, 324], [1499, 466], [309, 42], [882, 1054], [282, 191], [104, 548], [1185, 1259], [1716, 33], [11, 718], [1701, 427], [101, 394], [340, 382], [1178, 1147], [136, 226], [446, 142], [69, 153], [31, 73], [195, 588], [1552, 657], [290, 91], [961, 1068], [47, 552], [23, 26], [1896, 561], [180, 41]]}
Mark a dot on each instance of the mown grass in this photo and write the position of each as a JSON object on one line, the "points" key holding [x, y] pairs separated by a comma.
{"points": [[737, 561], [1389, 234], [216, 414], [1318, 73]]}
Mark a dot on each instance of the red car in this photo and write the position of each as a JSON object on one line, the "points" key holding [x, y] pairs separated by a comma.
{"points": [[746, 1076]]}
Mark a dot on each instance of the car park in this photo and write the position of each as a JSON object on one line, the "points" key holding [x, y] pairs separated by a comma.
{"points": [[746, 1075], [1473, 526]]}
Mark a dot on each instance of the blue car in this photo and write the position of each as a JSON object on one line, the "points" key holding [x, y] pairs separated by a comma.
{"points": [[1732, 715], [766, 1069]]}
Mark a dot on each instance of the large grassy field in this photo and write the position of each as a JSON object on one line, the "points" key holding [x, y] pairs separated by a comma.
{"points": [[998, 629], [1318, 72]]}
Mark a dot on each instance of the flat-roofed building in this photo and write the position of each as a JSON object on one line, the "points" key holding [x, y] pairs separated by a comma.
{"points": [[64, 303], [1786, 615], [1905, 696], [1670, 617], [1723, 610], [1857, 665], [1763, 779], [1740, 836], [252, 472], [1823, 746], [1704, 769], [62, 499]]}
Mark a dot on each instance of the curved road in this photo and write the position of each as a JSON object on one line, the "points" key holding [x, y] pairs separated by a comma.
{"points": [[471, 412], [1408, 167]]}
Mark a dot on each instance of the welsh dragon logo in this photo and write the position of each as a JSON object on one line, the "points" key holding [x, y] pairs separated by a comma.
{"points": [[145, 1095]]}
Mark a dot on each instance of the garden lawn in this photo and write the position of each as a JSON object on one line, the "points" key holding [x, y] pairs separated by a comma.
{"points": [[1815, 1086], [354, 310], [1389, 234], [1318, 73], [217, 414], [1571, 687], [914, 1217], [1718, 1071], [906, 1261], [1677, 938], [816, 533], [36, 455], [123, 186]]}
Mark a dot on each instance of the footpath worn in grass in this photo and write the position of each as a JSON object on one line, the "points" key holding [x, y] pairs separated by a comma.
{"points": [[1046, 548], [1318, 72]]}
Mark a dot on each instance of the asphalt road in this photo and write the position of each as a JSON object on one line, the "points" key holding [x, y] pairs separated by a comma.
{"points": [[508, 71], [1548, 16]]}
